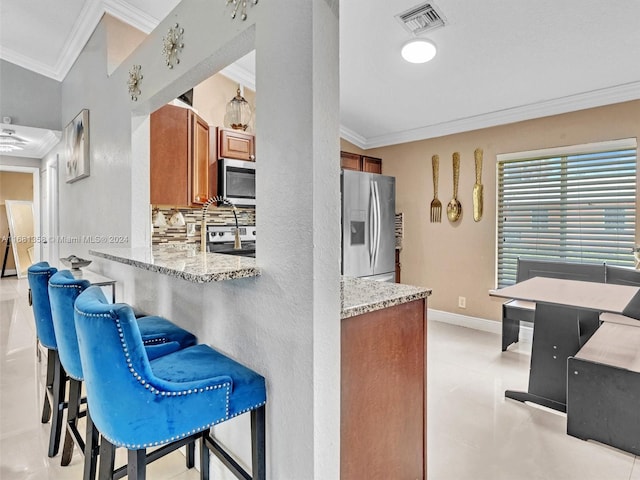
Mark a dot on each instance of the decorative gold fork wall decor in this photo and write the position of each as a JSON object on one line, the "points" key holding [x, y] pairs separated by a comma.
{"points": [[436, 205]]}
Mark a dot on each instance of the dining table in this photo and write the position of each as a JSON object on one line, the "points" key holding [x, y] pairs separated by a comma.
{"points": [[567, 314]]}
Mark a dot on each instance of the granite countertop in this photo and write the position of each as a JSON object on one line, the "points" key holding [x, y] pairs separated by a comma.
{"points": [[186, 263], [361, 296]]}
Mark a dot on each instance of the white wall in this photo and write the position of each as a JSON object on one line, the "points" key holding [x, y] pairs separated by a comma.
{"points": [[284, 324], [30, 99]]}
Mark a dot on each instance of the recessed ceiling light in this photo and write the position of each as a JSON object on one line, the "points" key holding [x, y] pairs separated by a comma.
{"points": [[418, 51]]}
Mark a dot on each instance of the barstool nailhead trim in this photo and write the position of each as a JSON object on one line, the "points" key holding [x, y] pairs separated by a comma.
{"points": [[156, 391]]}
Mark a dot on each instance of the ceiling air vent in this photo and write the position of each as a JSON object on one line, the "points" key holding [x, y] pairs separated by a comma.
{"points": [[421, 18]]}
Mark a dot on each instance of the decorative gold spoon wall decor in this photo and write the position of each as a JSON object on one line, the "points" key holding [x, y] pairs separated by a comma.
{"points": [[454, 208]]}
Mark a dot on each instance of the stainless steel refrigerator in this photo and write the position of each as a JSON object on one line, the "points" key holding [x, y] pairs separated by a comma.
{"points": [[368, 230]]}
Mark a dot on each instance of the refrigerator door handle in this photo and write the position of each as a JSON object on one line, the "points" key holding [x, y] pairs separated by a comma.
{"points": [[372, 231], [376, 195], [379, 221]]}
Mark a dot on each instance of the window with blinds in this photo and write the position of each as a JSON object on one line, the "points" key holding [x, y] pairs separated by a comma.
{"points": [[575, 204]]}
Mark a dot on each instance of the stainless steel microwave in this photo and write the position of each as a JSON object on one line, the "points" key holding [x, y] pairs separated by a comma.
{"points": [[237, 181]]}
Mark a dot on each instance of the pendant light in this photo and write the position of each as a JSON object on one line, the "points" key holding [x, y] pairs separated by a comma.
{"points": [[238, 113]]}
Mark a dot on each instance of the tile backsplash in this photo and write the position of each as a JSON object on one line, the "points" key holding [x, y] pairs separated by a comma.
{"points": [[174, 233], [167, 228]]}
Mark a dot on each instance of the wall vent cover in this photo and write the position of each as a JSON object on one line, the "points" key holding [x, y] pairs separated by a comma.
{"points": [[421, 18]]}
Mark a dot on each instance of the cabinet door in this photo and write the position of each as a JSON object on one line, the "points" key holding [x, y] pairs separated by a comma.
{"points": [[371, 164], [236, 144], [383, 394], [199, 160], [169, 148], [350, 161]]}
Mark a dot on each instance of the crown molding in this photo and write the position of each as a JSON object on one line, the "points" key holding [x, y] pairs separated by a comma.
{"points": [[49, 141], [82, 30], [39, 141], [129, 14], [595, 98], [23, 61], [353, 137], [240, 75]]}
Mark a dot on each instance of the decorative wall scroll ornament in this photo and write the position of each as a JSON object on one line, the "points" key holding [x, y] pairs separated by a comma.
{"points": [[237, 4], [134, 82], [172, 45]]}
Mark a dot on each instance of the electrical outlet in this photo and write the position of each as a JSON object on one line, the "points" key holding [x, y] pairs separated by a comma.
{"points": [[191, 229], [462, 302]]}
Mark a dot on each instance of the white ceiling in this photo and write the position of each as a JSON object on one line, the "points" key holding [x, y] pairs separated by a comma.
{"points": [[498, 61]]}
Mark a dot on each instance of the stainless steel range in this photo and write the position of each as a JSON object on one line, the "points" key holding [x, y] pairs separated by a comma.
{"points": [[220, 239]]}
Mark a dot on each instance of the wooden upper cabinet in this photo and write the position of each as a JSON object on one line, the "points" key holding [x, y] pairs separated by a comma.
{"points": [[371, 165], [236, 144], [200, 182], [350, 161], [361, 163], [180, 157]]}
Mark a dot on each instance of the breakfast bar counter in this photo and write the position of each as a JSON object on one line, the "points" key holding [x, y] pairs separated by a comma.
{"points": [[383, 394], [185, 263], [360, 296], [382, 354]]}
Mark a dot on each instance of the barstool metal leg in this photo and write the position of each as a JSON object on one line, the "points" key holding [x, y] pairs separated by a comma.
{"points": [[58, 390], [46, 408], [191, 454], [90, 449], [258, 434], [73, 412], [107, 459], [204, 456], [137, 463]]}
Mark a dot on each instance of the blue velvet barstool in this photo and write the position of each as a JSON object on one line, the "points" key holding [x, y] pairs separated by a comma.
{"points": [[159, 337], [38, 275], [163, 402]]}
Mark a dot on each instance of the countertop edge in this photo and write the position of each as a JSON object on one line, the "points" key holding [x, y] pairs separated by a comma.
{"points": [[194, 278], [348, 312]]}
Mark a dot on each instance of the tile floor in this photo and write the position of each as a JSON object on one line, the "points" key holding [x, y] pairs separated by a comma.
{"points": [[473, 432]]}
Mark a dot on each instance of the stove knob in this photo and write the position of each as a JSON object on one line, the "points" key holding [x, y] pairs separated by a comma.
{"points": [[254, 233], [220, 233]]}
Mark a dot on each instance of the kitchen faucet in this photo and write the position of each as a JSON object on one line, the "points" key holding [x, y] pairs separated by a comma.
{"points": [[237, 244]]}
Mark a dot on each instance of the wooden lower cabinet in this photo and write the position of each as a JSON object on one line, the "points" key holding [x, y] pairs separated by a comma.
{"points": [[383, 394]]}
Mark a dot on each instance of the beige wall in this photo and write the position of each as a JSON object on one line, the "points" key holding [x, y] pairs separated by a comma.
{"points": [[459, 259], [13, 186], [346, 146], [210, 99], [122, 39]]}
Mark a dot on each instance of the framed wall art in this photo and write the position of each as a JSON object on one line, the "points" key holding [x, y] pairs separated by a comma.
{"points": [[76, 140]]}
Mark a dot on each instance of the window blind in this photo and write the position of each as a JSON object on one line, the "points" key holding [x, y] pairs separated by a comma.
{"points": [[578, 205]]}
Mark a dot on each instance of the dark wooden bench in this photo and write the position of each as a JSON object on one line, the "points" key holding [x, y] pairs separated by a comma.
{"points": [[603, 378], [603, 387], [516, 311]]}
